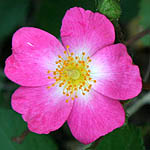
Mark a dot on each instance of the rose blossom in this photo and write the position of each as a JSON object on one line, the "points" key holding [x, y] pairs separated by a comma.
{"points": [[80, 80]]}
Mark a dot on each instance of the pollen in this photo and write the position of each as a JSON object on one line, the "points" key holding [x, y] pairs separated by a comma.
{"points": [[72, 74]]}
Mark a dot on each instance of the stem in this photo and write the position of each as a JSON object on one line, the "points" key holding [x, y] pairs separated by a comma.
{"points": [[20, 139], [138, 103], [93, 145], [146, 86], [137, 37]]}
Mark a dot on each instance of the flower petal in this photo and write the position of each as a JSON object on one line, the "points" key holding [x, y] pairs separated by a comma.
{"points": [[35, 41], [84, 30], [95, 115], [34, 53], [28, 71], [43, 109], [116, 76]]}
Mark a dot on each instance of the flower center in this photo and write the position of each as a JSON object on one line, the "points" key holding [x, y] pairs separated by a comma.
{"points": [[72, 74]]}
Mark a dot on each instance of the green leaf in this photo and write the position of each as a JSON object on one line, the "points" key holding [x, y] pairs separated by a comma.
{"points": [[6, 90], [12, 14], [146, 40], [130, 10], [110, 8], [2, 77], [11, 124], [144, 13], [124, 138], [144, 20], [50, 13]]}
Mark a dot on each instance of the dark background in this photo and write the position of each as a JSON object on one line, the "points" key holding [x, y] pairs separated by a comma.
{"points": [[47, 15]]}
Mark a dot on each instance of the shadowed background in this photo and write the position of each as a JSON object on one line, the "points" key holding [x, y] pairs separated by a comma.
{"points": [[47, 15]]}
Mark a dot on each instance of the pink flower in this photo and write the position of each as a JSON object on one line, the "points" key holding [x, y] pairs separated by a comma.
{"points": [[79, 81]]}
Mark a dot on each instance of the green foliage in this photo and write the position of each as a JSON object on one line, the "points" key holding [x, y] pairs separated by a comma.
{"points": [[6, 90], [12, 14], [50, 14], [146, 40], [110, 8], [130, 10], [11, 124], [144, 15], [124, 138]]}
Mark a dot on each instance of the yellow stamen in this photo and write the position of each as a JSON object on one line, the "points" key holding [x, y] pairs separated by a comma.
{"points": [[72, 74], [49, 77], [48, 71], [67, 100], [83, 53]]}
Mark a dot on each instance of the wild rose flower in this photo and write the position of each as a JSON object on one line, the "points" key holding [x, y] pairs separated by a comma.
{"points": [[79, 81]]}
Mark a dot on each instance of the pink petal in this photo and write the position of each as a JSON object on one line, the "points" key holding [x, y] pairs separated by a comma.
{"points": [[84, 30], [93, 116], [43, 109], [34, 53], [115, 74], [35, 41], [28, 71]]}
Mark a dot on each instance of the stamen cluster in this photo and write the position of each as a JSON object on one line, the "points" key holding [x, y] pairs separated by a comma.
{"points": [[72, 74]]}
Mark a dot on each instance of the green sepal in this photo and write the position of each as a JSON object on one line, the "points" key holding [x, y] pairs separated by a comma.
{"points": [[110, 8]]}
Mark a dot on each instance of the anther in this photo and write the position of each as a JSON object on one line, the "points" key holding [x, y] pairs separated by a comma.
{"points": [[60, 85], [82, 69], [94, 81], [49, 77], [54, 73], [80, 87], [83, 53], [85, 89], [49, 87], [90, 86], [67, 46], [75, 89], [67, 100], [83, 93], [83, 83], [77, 65], [53, 84]]}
